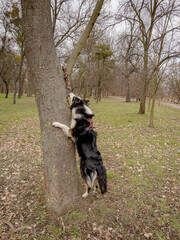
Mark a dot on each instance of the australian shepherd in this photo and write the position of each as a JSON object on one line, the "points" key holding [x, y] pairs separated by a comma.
{"points": [[82, 133]]}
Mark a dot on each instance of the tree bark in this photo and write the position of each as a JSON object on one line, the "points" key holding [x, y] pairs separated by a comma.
{"points": [[151, 118], [149, 104], [15, 91], [144, 84], [7, 88], [29, 87], [82, 41], [19, 73], [62, 187], [99, 90], [128, 99], [21, 87]]}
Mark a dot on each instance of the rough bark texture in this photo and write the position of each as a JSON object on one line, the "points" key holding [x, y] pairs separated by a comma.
{"points": [[7, 89], [142, 108], [151, 117], [128, 98], [62, 187], [30, 90], [19, 73], [21, 87], [82, 41]]}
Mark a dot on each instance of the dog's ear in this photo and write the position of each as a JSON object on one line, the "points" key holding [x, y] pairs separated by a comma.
{"points": [[86, 102]]}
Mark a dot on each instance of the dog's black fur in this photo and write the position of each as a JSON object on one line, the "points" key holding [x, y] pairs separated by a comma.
{"points": [[91, 160], [81, 131]]}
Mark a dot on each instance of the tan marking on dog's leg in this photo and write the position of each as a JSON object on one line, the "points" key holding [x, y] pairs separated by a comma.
{"points": [[70, 135], [95, 186], [87, 189]]}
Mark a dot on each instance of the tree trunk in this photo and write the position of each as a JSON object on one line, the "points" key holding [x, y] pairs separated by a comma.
{"points": [[15, 91], [21, 87], [149, 104], [7, 89], [19, 72], [159, 99], [128, 99], [144, 84], [151, 118], [62, 186], [99, 90], [2, 87], [29, 87], [82, 41]]}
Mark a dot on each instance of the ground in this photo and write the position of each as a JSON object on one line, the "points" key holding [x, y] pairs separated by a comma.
{"points": [[142, 164]]}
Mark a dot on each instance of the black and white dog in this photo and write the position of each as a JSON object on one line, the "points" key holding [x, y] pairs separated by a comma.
{"points": [[82, 133]]}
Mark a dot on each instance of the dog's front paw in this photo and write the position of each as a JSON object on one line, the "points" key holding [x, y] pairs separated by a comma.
{"points": [[56, 124], [85, 195]]}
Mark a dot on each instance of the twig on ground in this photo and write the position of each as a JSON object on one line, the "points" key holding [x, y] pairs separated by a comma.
{"points": [[63, 226], [13, 229]]}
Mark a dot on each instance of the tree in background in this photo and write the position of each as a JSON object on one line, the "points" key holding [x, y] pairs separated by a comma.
{"points": [[8, 61], [87, 73], [148, 15], [16, 29], [102, 54], [128, 54], [4, 53], [78, 47], [172, 81], [13, 35]]}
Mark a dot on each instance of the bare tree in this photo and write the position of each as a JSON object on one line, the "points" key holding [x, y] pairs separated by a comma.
{"points": [[128, 54], [163, 49], [148, 14], [157, 78], [8, 69], [172, 83], [68, 19], [3, 52], [17, 78], [77, 50], [13, 34]]}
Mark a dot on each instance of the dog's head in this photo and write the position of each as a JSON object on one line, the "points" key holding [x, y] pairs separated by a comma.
{"points": [[80, 107], [77, 101]]}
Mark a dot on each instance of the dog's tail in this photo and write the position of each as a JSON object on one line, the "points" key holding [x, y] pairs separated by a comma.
{"points": [[102, 178]]}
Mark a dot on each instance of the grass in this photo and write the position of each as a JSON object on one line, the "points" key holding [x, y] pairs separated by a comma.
{"points": [[142, 169]]}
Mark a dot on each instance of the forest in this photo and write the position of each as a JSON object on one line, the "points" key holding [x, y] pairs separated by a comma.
{"points": [[127, 36]]}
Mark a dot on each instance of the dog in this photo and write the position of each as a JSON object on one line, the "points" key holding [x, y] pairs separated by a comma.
{"points": [[82, 133]]}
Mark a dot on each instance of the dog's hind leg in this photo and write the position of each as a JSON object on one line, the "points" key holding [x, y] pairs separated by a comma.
{"points": [[95, 187], [94, 181], [87, 190]]}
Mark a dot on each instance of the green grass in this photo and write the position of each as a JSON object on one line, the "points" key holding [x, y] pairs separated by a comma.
{"points": [[9, 112], [142, 169]]}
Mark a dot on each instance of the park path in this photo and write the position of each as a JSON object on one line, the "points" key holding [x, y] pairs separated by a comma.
{"points": [[171, 105], [164, 103]]}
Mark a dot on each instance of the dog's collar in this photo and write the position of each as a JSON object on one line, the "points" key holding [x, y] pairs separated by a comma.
{"points": [[90, 121]]}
